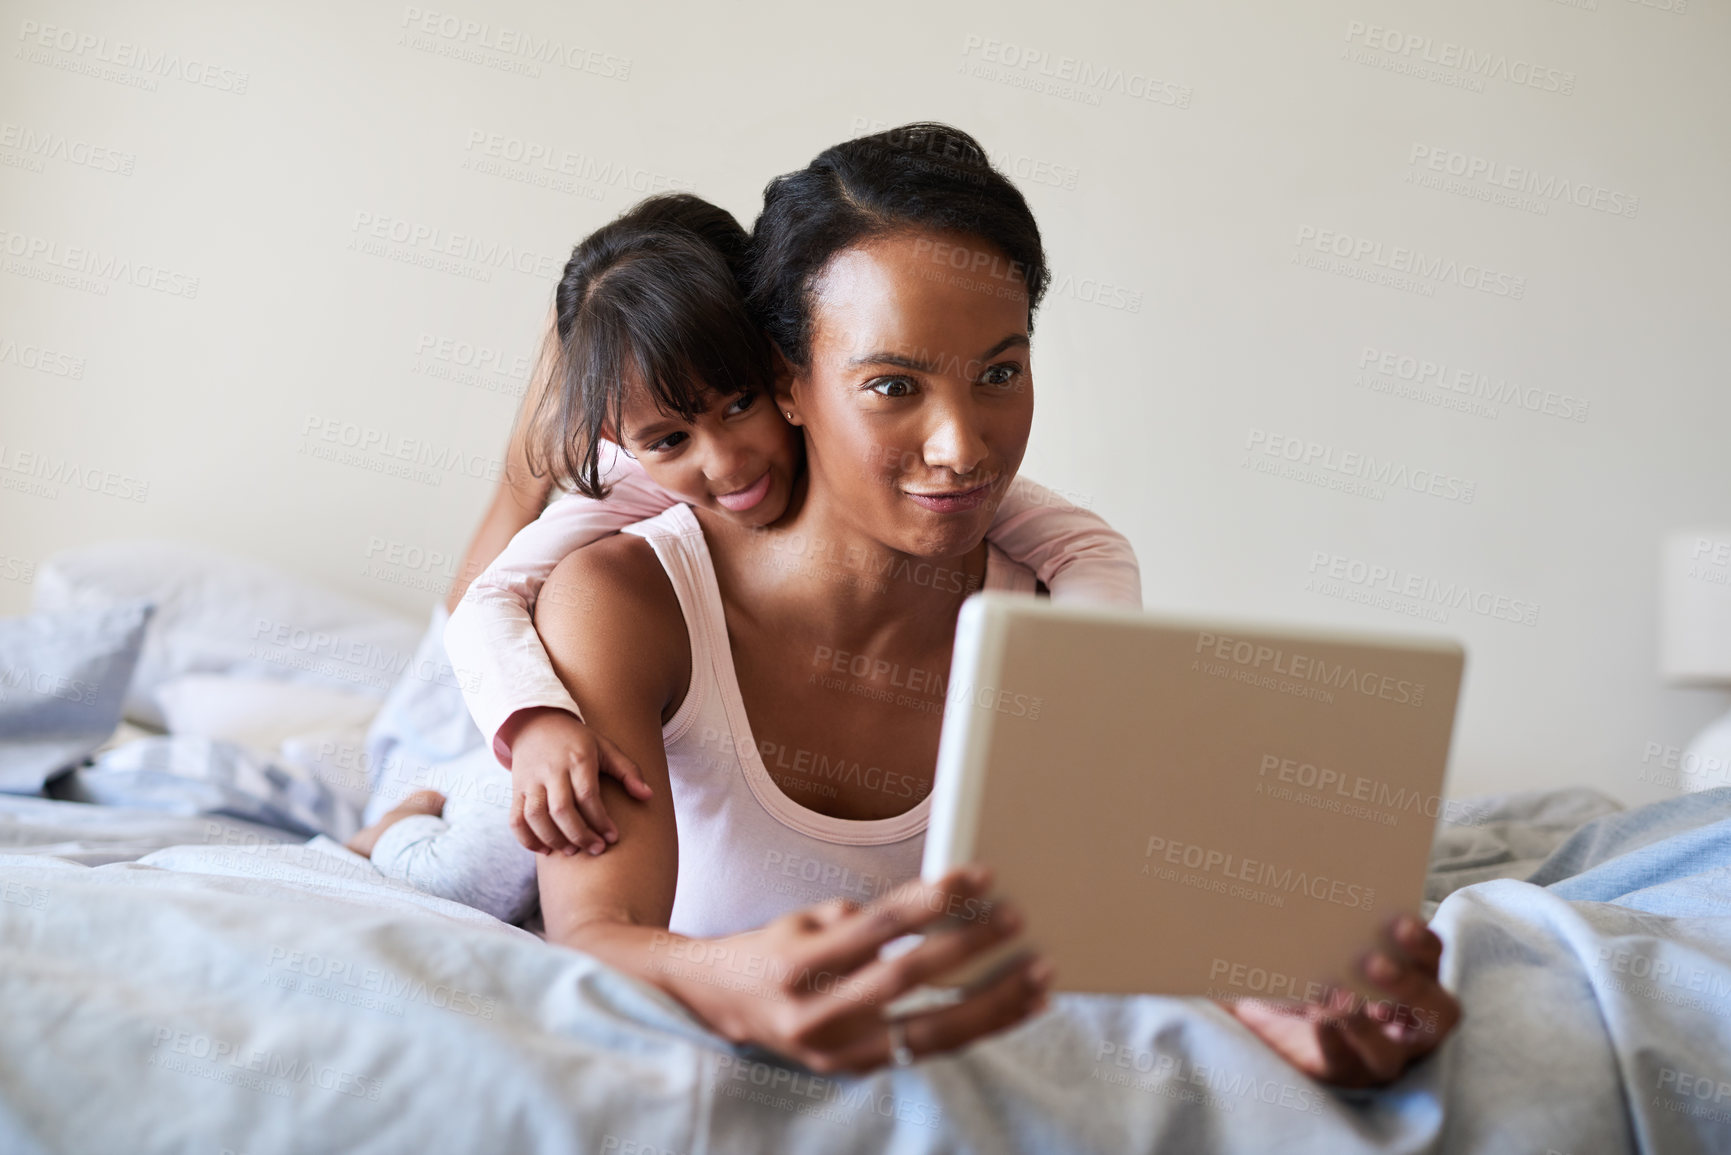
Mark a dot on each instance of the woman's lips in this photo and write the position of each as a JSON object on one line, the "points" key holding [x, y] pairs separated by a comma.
{"points": [[957, 502], [741, 500]]}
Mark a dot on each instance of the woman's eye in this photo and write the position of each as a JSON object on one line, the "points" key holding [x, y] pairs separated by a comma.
{"points": [[741, 403], [892, 387], [1001, 375], [671, 441]]}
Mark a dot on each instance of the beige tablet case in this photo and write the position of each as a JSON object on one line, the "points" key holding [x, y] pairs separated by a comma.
{"points": [[1190, 807]]}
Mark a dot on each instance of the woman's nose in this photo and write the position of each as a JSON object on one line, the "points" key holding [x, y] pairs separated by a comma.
{"points": [[955, 440]]}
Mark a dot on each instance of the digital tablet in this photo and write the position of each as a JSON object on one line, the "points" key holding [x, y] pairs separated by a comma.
{"points": [[1189, 807]]}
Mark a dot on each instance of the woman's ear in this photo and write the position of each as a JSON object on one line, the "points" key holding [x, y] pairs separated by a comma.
{"points": [[789, 384]]}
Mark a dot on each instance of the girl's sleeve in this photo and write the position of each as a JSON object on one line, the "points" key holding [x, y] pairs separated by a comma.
{"points": [[495, 653], [1071, 549]]}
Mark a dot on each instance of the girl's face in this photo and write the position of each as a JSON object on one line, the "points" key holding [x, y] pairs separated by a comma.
{"points": [[738, 458], [920, 394]]}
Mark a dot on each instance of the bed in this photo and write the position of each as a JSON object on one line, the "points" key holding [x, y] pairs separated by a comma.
{"points": [[201, 975]]}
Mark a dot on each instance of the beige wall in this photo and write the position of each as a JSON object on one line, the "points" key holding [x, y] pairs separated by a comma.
{"points": [[194, 290]]}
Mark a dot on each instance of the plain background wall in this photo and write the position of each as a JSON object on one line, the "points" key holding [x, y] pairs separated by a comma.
{"points": [[1185, 159]]}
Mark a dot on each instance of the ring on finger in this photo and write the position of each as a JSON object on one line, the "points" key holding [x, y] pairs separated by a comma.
{"points": [[900, 1054]]}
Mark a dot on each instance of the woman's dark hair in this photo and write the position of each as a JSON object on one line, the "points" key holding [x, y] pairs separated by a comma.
{"points": [[918, 176], [655, 299]]}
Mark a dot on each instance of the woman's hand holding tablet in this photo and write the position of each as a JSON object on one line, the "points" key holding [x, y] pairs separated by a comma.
{"points": [[1346, 1040], [812, 986]]}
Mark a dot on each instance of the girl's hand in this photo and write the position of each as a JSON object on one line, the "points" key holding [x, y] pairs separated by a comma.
{"points": [[810, 986], [556, 768], [1372, 1044]]}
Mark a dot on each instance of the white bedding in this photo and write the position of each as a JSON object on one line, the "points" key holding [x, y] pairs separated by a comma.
{"points": [[231, 994]]}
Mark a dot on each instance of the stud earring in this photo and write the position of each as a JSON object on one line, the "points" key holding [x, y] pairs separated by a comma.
{"points": [[789, 413]]}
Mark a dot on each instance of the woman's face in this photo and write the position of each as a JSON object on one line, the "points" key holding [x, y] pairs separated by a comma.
{"points": [[738, 458], [920, 393]]}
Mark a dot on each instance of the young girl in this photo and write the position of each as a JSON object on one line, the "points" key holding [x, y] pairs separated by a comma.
{"points": [[653, 301]]}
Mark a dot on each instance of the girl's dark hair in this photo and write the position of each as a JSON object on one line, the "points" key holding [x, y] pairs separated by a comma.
{"points": [[655, 298], [918, 176]]}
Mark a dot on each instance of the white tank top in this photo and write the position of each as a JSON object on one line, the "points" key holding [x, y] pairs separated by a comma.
{"points": [[749, 853]]}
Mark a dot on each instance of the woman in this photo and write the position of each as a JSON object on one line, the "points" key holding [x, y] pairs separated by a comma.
{"points": [[657, 295], [690, 642]]}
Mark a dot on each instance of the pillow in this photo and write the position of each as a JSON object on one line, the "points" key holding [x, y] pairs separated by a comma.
{"points": [[220, 614], [337, 758], [258, 713], [62, 679], [184, 775]]}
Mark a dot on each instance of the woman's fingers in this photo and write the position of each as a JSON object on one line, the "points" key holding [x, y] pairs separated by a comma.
{"points": [[1019, 992], [882, 981], [1365, 1054], [852, 942], [1419, 1010], [1418, 941]]}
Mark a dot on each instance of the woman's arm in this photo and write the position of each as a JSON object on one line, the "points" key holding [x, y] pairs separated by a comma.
{"points": [[810, 985], [1071, 549]]}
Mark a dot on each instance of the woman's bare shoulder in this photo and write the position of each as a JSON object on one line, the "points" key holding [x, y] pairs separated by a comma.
{"points": [[611, 607]]}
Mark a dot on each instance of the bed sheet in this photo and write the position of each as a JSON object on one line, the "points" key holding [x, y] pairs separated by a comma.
{"points": [[236, 993]]}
